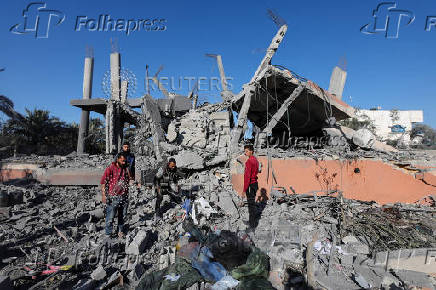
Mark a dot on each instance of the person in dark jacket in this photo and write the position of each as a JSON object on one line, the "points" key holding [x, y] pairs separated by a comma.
{"points": [[130, 158], [250, 184], [166, 182]]}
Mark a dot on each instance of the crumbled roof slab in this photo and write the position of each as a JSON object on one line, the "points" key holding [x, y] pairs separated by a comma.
{"points": [[307, 113]]}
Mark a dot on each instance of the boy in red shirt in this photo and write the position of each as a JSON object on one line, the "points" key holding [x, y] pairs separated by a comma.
{"points": [[250, 184]]}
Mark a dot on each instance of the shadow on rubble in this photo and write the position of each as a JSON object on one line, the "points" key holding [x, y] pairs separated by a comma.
{"points": [[294, 280], [261, 202]]}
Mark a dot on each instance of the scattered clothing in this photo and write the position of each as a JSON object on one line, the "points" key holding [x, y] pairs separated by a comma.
{"points": [[257, 265], [254, 273], [255, 283], [211, 271], [172, 277], [183, 269], [227, 282]]}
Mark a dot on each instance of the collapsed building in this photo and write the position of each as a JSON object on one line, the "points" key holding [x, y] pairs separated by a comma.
{"points": [[337, 208]]}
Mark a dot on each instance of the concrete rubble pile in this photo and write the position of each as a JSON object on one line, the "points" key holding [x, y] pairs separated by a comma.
{"points": [[325, 242]]}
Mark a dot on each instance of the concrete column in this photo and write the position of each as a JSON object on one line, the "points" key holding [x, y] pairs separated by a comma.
{"points": [[108, 127], [194, 102], [242, 119], [222, 74], [120, 122], [118, 129], [270, 52], [124, 89], [88, 71], [337, 82], [115, 75], [150, 111], [112, 128]]}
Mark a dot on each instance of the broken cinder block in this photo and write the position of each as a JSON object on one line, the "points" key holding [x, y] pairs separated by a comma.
{"points": [[137, 246]]}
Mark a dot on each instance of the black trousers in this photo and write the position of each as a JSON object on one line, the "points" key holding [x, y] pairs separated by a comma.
{"points": [[251, 200]]}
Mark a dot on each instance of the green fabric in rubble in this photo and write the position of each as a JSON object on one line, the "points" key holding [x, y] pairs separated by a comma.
{"points": [[188, 275], [156, 280], [151, 281], [257, 265], [255, 283]]}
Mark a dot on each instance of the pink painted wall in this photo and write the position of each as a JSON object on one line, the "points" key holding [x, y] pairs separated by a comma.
{"points": [[377, 181]]}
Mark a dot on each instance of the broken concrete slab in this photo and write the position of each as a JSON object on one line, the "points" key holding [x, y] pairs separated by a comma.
{"points": [[364, 138], [217, 160], [189, 160], [227, 204], [414, 279], [99, 273], [137, 246], [194, 129], [389, 281], [356, 248], [349, 239], [362, 281], [171, 132]]}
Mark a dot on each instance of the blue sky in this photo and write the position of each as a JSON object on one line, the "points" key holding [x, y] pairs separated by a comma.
{"points": [[391, 73]]}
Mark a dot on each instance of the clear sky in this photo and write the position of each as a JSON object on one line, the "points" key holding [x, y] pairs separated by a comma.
{"points": [[392, 73]]}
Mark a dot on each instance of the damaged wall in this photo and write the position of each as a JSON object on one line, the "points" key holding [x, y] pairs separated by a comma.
{"points": [[368, 180]]}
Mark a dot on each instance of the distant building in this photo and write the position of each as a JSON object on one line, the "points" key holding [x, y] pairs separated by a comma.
{"points": [[392, 125]]}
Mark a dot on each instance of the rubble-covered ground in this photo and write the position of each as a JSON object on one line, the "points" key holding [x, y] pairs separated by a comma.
{"points": [[319, 242]]}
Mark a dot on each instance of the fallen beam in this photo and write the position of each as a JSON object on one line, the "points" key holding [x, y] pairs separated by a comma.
{"points": [[270, 52], [279, 114], [242, 118]]}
